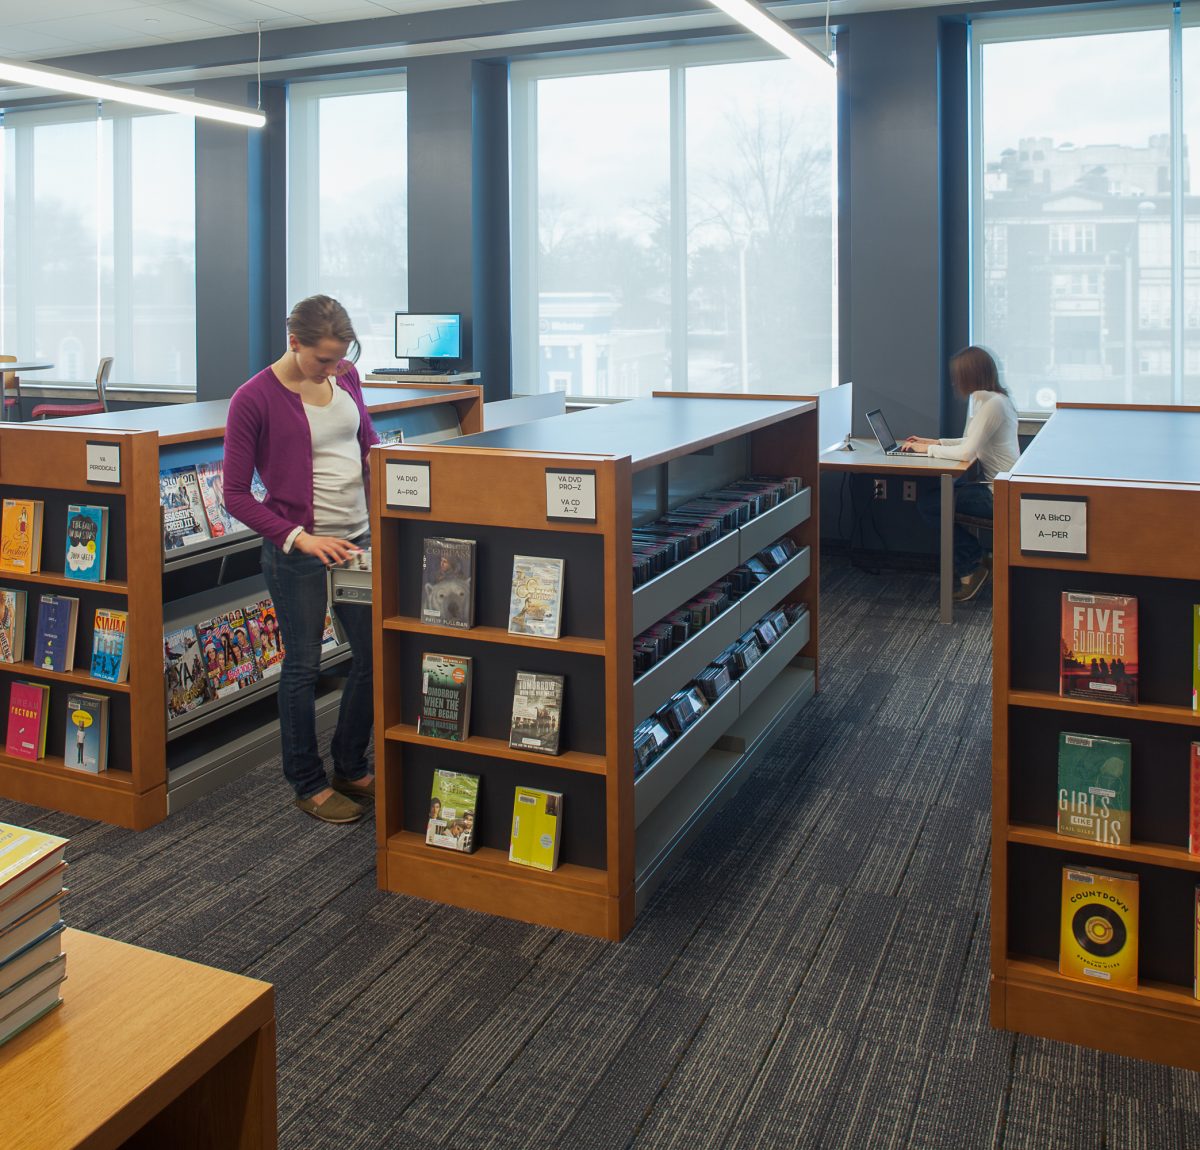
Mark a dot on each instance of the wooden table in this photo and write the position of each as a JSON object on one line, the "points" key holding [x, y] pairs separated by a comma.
{"points": [[146, 1050], [868, 458]]}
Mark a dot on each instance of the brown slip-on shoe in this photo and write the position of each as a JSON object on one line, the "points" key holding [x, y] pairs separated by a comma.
{"points": [[968, 588], [363, 792], [335, 809]]}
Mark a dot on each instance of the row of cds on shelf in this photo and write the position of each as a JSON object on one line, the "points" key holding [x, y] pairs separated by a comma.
{"points": [[671, 632], [699, 522], [654, 735]]}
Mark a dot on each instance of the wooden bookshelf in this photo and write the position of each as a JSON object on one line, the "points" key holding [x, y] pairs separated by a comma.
{"points": [[1139, 471], [154, 766], [647, 456]]}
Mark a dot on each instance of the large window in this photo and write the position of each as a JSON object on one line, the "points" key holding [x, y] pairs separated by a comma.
{"points": [[674, 223], [99, 244], [347, 217], [1085, 161]]}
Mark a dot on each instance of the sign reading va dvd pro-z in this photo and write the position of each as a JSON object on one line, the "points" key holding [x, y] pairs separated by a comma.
{"points": [[1054, 525], [571, 495]]}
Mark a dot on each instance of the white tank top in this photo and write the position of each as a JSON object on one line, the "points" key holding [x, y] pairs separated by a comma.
{"points": [[339, 498]]}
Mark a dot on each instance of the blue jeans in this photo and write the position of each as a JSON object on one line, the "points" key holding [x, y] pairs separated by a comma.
{"points": [[298, 586], [969, 499]]}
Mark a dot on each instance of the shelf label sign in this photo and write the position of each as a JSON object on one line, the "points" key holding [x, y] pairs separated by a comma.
{"points": [[407, 484], [571, 495], [104, 463], [1054, 525]]}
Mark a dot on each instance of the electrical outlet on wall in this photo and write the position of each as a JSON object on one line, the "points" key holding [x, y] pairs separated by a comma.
{"points": [[880, 488], [910, 490]]}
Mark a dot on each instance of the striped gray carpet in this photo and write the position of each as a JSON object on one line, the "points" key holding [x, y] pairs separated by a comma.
{"points": [[814, 973]]}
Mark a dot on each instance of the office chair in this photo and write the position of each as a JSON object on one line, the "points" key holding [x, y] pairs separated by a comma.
{"points": [[93, 407], [12, 387]]}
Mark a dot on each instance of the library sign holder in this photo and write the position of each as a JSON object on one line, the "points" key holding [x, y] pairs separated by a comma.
{"points": [[513, 491], [1136, 498]]}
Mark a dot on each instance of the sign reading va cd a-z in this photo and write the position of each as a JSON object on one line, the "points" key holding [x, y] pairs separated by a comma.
{"points": [[104, 463], [407, 484], [1054, 525]]}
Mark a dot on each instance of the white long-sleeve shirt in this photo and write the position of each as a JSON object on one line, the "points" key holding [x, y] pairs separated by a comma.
{"points": [[990, 436]]}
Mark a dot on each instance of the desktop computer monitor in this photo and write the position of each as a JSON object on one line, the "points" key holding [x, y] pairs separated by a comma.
{"points": [[428, 337]]}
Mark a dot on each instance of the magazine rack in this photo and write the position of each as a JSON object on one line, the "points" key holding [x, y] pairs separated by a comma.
{"points": [[1138, 468], [619, 836], [155, 766]]}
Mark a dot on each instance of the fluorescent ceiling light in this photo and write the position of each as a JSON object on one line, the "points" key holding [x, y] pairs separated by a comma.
{"points": [[770, 28], [60, 80]]}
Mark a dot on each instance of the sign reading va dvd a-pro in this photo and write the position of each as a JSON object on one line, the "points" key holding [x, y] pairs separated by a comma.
{"points": [[571, 495], [407, 484], [104, 463], [1054, 525]]}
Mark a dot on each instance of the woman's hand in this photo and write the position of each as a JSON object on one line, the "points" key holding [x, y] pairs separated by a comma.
{"points": [[328, 548], [919, 447], [918, 439]]}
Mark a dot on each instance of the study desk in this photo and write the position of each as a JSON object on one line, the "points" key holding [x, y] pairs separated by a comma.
{"points": [[146, 1050], [868, 458]]}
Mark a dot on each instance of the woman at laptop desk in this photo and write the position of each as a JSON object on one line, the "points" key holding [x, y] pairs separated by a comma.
{"points": [[990, 438]]}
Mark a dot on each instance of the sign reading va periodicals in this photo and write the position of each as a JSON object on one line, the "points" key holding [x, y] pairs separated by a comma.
{"points": [[104, 463], [407, 484], [571, 495], [1054, 525]]}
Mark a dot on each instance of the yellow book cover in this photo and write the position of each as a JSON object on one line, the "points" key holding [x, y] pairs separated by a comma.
{"points": [[22, 849], [21, 535], [537, 816], [1099, 934]]}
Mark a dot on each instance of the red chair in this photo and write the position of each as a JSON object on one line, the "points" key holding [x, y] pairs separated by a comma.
{"points": [[92, 407]]}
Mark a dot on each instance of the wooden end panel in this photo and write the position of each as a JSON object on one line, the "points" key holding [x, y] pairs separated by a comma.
{"points": [[513, 894], [492, 487], [1131, 530], [33, 455], [470, 411], [1133, 1029], [1000, 690]]}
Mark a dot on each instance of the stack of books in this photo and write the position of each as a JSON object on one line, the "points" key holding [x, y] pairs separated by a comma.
{"points": [[32, 964]]}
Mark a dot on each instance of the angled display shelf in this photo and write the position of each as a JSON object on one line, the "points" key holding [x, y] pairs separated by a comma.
{"points": [[1137, 473], [619, 835], [155, 766]]}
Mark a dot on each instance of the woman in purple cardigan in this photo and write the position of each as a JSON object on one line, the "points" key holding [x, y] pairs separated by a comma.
{"points": [[302, 424]]}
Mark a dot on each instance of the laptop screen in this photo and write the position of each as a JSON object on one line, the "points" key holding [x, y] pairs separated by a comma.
{"points": [[882, 432]]}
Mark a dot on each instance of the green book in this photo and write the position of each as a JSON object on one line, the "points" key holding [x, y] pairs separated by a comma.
{"points": [[1093, 788], [452, 807]]}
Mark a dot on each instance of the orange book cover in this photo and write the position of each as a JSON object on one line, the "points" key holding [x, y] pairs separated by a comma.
{"points": [[1099, 647], [21, 535], [1098, 941]]}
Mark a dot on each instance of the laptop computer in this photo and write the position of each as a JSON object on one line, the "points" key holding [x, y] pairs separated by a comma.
{"points": [[883, 433]]}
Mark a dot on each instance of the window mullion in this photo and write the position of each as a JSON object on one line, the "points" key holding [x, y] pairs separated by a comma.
{"points": [[679, 231], [1177, 172]]}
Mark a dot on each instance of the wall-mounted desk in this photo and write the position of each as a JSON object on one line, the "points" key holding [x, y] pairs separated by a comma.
{"points": [[868, 458]]}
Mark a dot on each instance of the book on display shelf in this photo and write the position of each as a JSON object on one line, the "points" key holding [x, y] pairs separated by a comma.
{"points": [[1099, 647], [187, 684], [27, 707], [1196, 657], [21, 536], [12, 625], [1093, 788], [448, 582], [210, 477], [85, 746], [184, 520], [452, 806], [110, 646], [536, 828], [54, 641], [445, 696], [536, 712], [535, 607], [87, 543], [1098, 939], [1194, 799]]}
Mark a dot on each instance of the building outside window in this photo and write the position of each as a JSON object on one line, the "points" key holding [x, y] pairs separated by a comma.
{"points": [[1082, 161], [674, 223], [98, 239], [347, 221]]}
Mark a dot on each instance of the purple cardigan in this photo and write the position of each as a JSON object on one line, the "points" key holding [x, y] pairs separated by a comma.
{"points": [[267, 429]]}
